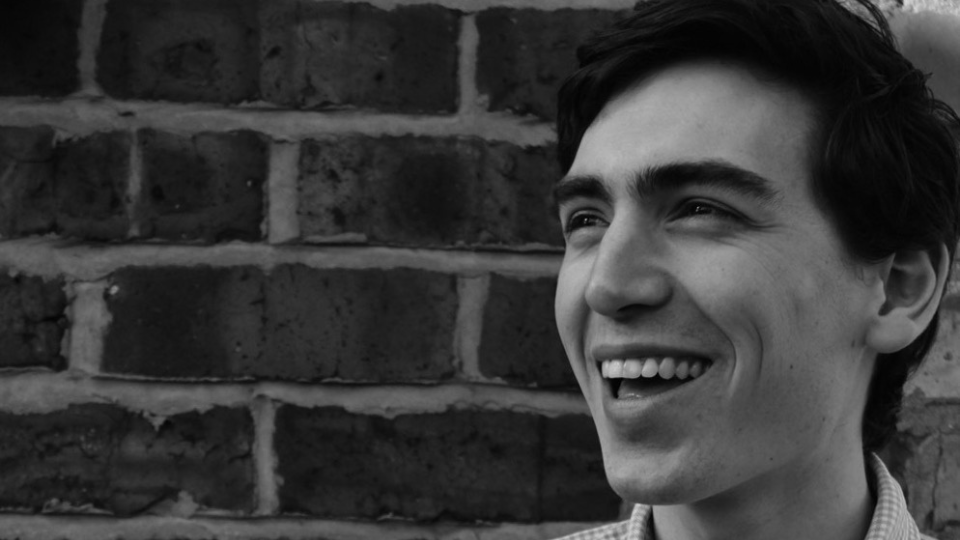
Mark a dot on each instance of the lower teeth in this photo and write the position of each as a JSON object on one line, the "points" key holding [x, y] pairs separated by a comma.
{"points": [[642, 386]]}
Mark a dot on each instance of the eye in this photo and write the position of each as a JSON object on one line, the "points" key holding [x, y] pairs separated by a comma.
{"points": [[580, 220], [705, 209]]}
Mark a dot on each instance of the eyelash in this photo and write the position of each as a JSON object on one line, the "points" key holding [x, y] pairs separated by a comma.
{"points": [[574, 221], [688, 208]]}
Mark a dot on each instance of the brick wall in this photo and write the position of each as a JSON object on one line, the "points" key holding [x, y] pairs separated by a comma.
{"points": [[285, 269]]}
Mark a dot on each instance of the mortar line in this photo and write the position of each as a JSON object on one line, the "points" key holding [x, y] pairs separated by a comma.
{"points": [[51, 257], [97, 527], [282, 194], [468, 47], [135, 186], [473, 6], [78, 117], [43, 392], [472, 294], [89, 318], [264, 413], [88, 39]]}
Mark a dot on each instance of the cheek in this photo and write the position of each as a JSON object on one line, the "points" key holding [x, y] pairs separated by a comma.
{"points": [[569, 308], [789, 327]]}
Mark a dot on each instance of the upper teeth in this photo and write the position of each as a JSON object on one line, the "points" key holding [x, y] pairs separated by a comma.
{"points": [[665, 367]]}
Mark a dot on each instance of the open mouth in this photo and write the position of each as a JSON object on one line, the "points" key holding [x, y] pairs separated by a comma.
{"points": [[640, 377]]}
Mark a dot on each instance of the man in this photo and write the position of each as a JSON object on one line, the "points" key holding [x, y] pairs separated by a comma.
{"points": [[760, 206]]}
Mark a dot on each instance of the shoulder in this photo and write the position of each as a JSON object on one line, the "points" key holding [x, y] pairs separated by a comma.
{"points": [[612, 531]]}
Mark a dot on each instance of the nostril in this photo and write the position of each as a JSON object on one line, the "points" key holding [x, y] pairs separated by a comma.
{"points": [[617, 292]]}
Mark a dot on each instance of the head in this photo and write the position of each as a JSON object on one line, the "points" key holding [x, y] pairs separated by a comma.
{"points": [[823, 296]]}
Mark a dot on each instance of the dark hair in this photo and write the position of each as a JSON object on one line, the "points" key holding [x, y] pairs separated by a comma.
{"points": [[885, 164]]}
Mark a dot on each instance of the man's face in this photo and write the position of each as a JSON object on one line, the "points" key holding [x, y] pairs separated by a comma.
{"points": [[693, 244]]}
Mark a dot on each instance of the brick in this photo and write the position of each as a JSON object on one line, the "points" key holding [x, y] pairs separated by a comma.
{"points": [[115, 460], [947, 491], [925, 458], [205, 187], [359, 325], [297, 323], [195, 322], [91, 185], [525, 54], [319, 55], [426, 192], [520, 343], [27, 203], [574, 485], [930, 41], [32, 321], [180, 50], [40, 47], [457, 465]]}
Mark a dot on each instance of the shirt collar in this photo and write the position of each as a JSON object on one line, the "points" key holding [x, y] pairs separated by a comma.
{"points": [[891, 519]]}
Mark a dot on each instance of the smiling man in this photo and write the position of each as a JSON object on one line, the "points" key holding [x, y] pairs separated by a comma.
{"points": [[760, 206]]}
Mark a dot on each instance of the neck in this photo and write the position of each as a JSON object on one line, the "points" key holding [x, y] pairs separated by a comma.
{"points": [[780, 504]]}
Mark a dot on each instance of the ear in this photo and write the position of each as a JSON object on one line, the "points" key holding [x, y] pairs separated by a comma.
{"points": [[913, 283]]}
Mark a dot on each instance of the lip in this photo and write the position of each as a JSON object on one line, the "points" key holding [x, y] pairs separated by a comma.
{"points": [[629, 412], [600, 353]]}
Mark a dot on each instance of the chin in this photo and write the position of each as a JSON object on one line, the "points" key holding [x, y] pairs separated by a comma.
{"points": [[647, 480]]}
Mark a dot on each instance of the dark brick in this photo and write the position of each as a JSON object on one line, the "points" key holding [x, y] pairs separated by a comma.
{"points": [[520, 342], [184, 322], [40, 47], [32, 321], [27, 204], [91, 185], [423, 191], [336, 54], [180, 50], [206, 187], [925, 457], [359, 325], [574, 485], [525, 54], [297, 324], [114, 460], [457, 465]]}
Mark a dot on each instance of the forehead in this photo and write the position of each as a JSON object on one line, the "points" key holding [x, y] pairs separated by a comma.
{"points": [[700, 111]]}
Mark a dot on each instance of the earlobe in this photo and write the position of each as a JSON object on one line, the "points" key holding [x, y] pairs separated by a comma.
{"points": [[913, 283]]}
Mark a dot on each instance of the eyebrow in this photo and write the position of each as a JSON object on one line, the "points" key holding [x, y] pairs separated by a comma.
{"points": [[650, 181]]}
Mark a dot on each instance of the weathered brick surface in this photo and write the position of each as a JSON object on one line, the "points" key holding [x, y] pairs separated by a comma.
{"points": [[91, 185], [425, 191], [295, 324], [929, 40], [519, 342], [184, 322], [465, 465], [114, 460], [180, 50], [525, 54], [925, 458], [339, 54], [32, 321], [206, 187], [359, 325], [574, 485], [27, 204], [459, 465], [40, 47]]}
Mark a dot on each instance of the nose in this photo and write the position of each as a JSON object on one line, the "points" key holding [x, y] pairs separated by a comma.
{"points": [[628, 273]]}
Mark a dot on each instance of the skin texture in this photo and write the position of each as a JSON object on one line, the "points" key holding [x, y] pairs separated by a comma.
{"points": [[758, 283]]}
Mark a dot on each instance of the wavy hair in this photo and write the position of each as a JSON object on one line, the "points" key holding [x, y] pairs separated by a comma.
{"points": [[885, 166]]}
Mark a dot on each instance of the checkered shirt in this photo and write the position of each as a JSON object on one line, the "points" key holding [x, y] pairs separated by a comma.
{"points": [[891, 520]]}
